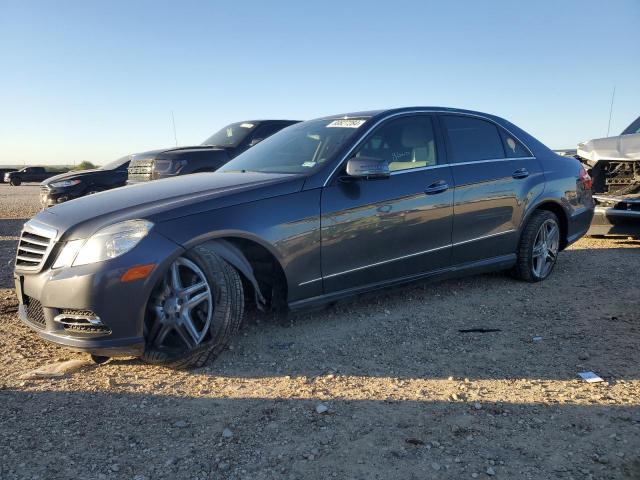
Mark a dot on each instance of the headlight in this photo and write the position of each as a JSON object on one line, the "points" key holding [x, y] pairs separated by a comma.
{"points": [[168, 166], [110, 242], [65, 183]]}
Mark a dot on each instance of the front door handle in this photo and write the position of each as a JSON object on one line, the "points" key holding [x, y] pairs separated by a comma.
{"points": [[437, 187], [520, 173]]}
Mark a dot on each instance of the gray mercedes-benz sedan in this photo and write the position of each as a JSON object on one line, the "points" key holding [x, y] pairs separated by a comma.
{"points": [[321, 210]]}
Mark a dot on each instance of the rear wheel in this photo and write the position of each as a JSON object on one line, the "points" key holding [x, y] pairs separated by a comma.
{"points": [[194, 311], [539, 246]]}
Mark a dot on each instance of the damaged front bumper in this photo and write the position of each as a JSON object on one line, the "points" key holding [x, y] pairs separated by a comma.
{"points": [[616, 215]]}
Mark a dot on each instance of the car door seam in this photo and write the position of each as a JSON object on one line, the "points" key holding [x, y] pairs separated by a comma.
{"points": [[382, 262]]}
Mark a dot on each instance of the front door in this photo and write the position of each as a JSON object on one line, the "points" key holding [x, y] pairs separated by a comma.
{"points": [[378, 230]]}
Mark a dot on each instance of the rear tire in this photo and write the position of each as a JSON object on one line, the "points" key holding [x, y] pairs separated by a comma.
{"points": [[226, 299], [15, 182], [538, 247]]}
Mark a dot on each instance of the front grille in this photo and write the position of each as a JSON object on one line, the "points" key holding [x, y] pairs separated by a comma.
{"points": [[139, 177], [35, 243], [35, 312], [140, 167]]}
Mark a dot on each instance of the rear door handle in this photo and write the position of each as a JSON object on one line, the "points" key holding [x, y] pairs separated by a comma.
{"points": [[520, 173], [437, 187]]}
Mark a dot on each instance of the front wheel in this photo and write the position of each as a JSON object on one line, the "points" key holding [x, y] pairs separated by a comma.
{"points": [[538, 248], [194, 311], [15, 182]]}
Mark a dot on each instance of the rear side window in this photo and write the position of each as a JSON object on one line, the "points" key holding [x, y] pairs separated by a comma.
{"points": [[512, 146], [471, 139]]}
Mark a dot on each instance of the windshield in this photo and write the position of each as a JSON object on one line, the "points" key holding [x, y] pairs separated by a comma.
{"points": [[115, 164], [300, 148], [231, 135]]}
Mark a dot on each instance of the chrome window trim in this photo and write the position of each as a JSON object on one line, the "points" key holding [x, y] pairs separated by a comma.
{"points": [[382, 262], [443, 165], [413, 112], [419, 169], [491, 160]]}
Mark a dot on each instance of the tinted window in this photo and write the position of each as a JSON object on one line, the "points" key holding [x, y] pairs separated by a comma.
{"points": [[512, 146], [471, 139], [633, 128], [264, 131], [231, 135], [405, 143]]}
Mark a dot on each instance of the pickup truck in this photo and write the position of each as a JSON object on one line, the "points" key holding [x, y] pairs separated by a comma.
{"points": [[28, 174], [5, 170], [218, 149]]}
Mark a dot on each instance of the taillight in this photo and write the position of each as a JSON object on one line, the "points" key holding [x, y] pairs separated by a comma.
{"points": [[586, 180]]}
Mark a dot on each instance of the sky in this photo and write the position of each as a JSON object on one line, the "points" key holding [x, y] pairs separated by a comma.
{"points": [[95, 80]]}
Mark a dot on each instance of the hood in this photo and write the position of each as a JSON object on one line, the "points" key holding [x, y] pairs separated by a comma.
{"points": [[622, 147], [151, 154], [72, 175], [161, 200]]}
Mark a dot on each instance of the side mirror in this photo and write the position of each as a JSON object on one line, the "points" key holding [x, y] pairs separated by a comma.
{"points": [[369, 168], [255, 141]]}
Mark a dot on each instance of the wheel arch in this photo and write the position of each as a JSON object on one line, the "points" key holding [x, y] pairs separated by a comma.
{"points": [[556, 208], [258, 265]]}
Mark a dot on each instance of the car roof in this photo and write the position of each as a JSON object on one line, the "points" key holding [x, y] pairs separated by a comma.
{"points": [[269, 120], [385, 112]]}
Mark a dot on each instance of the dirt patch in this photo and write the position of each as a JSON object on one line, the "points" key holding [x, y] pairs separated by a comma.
{"points": [[375, 388]]}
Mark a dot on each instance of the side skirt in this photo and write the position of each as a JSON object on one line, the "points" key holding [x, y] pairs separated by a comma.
{"points": [[503, 262]]}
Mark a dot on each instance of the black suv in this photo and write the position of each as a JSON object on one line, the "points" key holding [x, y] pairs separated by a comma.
{"points": [[214, 152]]}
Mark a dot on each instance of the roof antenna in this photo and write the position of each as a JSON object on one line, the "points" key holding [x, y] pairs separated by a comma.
{"points": [[175, 136], [611, 110]]}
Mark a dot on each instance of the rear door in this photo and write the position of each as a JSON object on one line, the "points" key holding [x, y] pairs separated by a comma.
{"points": [[488, 194], [377, 230]]}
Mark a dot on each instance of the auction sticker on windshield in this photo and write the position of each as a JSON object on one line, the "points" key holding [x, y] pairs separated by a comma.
{"points": [[346, 123]]}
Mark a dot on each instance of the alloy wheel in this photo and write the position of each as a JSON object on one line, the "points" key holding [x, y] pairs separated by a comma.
{"points": [[180, 309], [545, 248]]}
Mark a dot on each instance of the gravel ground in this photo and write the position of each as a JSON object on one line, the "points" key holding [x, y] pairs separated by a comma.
{"points": [[376, 388]]}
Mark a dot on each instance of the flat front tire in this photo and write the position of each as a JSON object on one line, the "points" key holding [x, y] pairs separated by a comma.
{"points": [[539, 247], [194, 311]]}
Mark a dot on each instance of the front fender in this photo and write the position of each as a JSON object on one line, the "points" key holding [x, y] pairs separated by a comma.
{"points": [[233, 255]]}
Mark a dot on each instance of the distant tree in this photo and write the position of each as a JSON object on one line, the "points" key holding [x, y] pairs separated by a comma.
{"points": [[85, 166]]}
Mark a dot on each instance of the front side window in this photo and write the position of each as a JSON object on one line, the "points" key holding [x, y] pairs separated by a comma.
{"points": [[404, 143], [471, 139], [301, 148]]}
